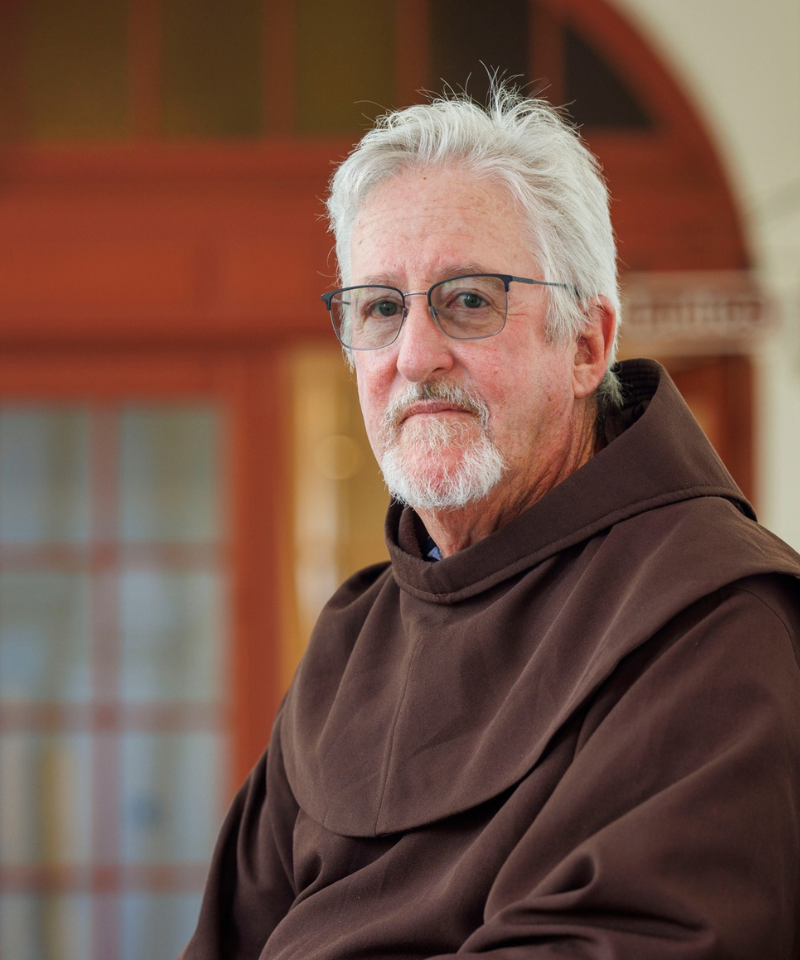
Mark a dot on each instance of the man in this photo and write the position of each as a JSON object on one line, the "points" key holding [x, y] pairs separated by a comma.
{"points": [[564, 720]]}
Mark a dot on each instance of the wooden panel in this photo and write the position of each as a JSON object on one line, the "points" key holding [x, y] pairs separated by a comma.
{"points": [[257, 455], [123, 250], [258, 278], [68, 374], [93, 277], [164, 245], [670, 211]]}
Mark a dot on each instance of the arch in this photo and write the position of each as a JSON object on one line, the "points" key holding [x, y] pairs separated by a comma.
{"points": [[672, 179]]}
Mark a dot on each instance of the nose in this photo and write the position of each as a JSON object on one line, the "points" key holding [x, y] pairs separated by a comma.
{"points": [[424, 350]]}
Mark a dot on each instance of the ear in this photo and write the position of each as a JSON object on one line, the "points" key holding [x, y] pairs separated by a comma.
{"points": [[593, 347]]}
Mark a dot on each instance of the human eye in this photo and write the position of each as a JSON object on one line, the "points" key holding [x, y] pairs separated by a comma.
{"points": [[471, 293], [470, 306], [468, 300], [377, 313], [468, 295], [386, 307], [371, 305]]}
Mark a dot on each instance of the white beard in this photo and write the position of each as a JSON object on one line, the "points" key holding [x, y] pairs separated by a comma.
{"points": [[412, 464]]}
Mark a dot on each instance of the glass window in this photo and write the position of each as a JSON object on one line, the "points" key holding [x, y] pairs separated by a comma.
{"points": [[596, 95], [112, 668], [345, 64], [212, 68], [470, 36], [45, 799], [44, 480], [172, 627], [170, 796], [44, 636], [169, 484], [77, 64], [45, 926], [157, 926]]}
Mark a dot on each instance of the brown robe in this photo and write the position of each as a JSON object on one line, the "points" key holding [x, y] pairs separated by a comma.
{"points": [[579, 737]]}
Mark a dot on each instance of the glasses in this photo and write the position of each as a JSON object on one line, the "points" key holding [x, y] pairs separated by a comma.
{"points": [[470, 307]]}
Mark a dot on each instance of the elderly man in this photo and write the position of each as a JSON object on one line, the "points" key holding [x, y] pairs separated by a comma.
{"points": [[564, 719]]}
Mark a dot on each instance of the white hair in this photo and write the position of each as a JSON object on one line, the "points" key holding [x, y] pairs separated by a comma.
{"points": [[480, 468], [524, 144]]}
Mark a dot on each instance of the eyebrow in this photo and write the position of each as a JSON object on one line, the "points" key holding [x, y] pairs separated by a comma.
{"points": [[453, 270]]}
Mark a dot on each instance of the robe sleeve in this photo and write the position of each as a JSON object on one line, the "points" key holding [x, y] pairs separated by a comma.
{"points": [[249, 887], [675, 833]]}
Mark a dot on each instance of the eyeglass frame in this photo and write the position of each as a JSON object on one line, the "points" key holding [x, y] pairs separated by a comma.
{"points": [[506, 278]]}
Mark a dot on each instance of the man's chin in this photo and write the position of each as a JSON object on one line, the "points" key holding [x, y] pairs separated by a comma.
{"points": [[442, 479], [430, 467]]}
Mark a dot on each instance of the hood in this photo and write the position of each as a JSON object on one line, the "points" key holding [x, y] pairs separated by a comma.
{"points": [[431, 688], [657, 455]]}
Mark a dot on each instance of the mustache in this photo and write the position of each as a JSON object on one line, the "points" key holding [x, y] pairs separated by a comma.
{"points": [[442, 390]]}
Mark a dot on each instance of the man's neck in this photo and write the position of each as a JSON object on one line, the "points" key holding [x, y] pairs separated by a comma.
{"points": [[453, 530]]}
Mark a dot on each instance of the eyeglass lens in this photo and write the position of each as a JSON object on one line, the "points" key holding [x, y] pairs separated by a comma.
{"points": [[466, 308]]}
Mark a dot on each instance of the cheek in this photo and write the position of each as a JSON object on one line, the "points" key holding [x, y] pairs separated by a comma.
{"points": [[527, 402]]}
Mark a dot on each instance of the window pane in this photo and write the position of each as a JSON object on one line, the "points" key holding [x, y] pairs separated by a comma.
{"points": [[170, 796], [346, 55], [469, 36], [212, 68], [157, 926], [169, 485], [44, 475], [44, 637], [77, 66], [596, 95], [172, 636], [45, 927], [45, 799]]}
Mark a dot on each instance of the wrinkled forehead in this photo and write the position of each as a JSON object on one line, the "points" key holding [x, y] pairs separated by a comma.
{"points": [[433, 193], [421, 220]]}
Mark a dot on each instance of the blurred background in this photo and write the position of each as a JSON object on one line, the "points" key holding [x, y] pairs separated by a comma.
{"points": [[183, 474]]}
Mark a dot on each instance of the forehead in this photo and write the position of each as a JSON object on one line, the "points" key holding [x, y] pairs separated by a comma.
{"points": [[423, 223]]}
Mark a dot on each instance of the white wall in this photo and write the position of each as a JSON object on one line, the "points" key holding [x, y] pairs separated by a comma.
{"points": [[740, 62]]}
